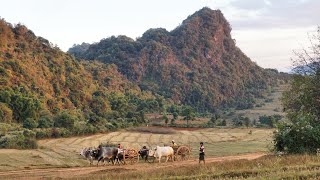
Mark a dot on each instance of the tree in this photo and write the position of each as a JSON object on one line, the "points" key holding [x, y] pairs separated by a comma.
{"points": [[247, 121], [213, 119], [302, 104], [224, 123], [189, 113], [175, 115], [254, 122], [166, 119]]}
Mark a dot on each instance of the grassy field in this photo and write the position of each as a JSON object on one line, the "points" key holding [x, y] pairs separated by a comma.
{"points": [[266, 167], [64, 152]]}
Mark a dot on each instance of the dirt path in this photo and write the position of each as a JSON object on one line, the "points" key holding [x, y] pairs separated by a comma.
{"points": [[79, 171]]}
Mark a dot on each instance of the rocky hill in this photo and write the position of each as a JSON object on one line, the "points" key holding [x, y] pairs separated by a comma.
{"points": [[197, 63]]}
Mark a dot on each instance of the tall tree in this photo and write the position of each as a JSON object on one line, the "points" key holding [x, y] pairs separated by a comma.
{"points": [[302, 104]]}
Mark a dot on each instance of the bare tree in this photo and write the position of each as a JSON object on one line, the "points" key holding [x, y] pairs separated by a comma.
{"points": [[307, 61]]}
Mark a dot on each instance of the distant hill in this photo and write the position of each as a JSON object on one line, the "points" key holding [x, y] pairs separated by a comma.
{"points": [[196, 64]]}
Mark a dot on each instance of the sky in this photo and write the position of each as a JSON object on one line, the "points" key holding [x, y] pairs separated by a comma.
{"points": [[267, 31]]}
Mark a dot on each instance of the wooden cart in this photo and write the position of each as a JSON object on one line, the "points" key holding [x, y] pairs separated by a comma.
{"points": [[128, 156], [182, 152]]}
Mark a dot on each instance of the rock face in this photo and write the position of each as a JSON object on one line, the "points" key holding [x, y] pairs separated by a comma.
{"points": [[197, 63]]}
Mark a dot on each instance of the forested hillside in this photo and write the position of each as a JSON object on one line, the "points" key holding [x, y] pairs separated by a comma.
{"points": [[196, 64], [48, 91]]}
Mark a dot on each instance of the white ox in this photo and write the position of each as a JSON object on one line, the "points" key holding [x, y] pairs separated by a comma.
{"points": [[163, 152], [88, 154]]}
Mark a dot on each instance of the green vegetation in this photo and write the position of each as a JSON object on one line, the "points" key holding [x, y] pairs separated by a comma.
{"points": [[24, 139], [270, 121], [302, 103]]}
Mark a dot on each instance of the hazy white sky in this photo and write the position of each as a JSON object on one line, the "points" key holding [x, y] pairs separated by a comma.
{"points": [[266, 30]]}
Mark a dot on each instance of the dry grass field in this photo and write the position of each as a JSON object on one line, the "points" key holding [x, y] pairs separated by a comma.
{"points": [[64, 152], [58, 159]]}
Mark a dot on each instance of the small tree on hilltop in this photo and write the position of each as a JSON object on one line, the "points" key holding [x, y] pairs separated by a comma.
{"points": [[166, 119]]}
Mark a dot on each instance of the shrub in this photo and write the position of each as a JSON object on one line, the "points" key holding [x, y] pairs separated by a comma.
{"points": [[175, 115], [110, 126], [19, 140], [209, 124], [270, 121], [65, 120], [45, 122], [43, 133], [302, 136], [224, 123], [5, 113], [60, 132], [30, 123], [267, 120]]}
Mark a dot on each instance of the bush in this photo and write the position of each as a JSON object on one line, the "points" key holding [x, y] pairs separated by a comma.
{"points": [[65, 120], [302, 136], [270, 121], [224, 123], [60, 132], [210, 124], [43, 133], [19, 140], [5, 113], [175, 115], [30, 123], [45, 122]]}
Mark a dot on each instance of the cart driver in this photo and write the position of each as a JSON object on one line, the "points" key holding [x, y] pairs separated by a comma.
{"points": [[174, 144]]}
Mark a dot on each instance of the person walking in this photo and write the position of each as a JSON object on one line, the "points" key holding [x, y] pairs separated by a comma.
{"points": [[201, 153]]}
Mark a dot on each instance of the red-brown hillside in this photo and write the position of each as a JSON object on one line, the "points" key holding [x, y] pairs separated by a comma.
{"points": [[197, 63]]}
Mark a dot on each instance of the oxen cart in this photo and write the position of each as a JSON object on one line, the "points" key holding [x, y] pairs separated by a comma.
{"points": [[182, 152], [128, 156]]}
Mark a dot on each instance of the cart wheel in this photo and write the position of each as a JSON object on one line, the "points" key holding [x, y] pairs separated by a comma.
{"points": [[182, 154], [132, 156]]}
